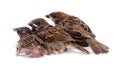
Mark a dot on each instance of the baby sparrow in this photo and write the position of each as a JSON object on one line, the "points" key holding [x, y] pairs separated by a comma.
{"points": [[78, 30]]}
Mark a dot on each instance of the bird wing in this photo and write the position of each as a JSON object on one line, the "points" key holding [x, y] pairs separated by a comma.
{"points": [[77, 27], [38, 39], [31, 39], [65, 34], [27, 40], [51, 33]]}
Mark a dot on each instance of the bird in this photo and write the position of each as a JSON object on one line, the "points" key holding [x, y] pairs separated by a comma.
{"points": [[78, 30], [32, 45], [56, 39]]}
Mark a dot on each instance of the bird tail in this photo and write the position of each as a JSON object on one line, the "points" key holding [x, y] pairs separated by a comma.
{"points": [[97, 47]]}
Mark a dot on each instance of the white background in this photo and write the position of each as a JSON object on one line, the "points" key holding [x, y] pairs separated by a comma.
{"points": [[103, 17]]}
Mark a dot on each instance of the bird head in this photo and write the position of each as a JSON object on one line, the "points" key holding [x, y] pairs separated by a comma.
{"points": [[57, 17], [22, 31], [38, 24]]}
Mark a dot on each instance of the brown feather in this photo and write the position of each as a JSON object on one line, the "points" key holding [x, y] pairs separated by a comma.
{"points": [[56, 39], [78, 30]]}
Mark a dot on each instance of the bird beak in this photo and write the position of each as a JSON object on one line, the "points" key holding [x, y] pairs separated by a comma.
{"points": [[32, 24], [15, 29], [47, 16]]}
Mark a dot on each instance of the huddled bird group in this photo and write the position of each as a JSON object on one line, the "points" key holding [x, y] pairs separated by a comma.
{"points": [[45, 39]]}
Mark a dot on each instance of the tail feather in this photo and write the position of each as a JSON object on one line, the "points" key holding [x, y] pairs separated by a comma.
{"points": [[103, 47], [97, 47]]}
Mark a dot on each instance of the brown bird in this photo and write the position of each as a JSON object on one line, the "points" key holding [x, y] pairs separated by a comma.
{"points": [[55, 39], [78, 30], [31, 44]]}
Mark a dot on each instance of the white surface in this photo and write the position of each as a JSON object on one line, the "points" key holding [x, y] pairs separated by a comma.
{"points": [[103, 17]]}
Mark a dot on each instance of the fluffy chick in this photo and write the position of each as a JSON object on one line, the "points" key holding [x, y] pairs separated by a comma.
{"points": [[78, 30], [31, 44], [55, 38]]}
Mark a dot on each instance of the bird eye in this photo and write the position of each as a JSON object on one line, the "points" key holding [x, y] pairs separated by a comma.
{"points": [[57, 21], [37, 23], [53, 16], [19, 30]]}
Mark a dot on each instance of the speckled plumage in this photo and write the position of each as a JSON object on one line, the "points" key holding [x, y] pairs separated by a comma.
{"points": [[54, 37], [33, 46], [78, 30]]}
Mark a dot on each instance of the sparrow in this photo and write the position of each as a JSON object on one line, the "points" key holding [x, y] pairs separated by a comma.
{"points": [[78, 30], [56, 39], [29, 43]]}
